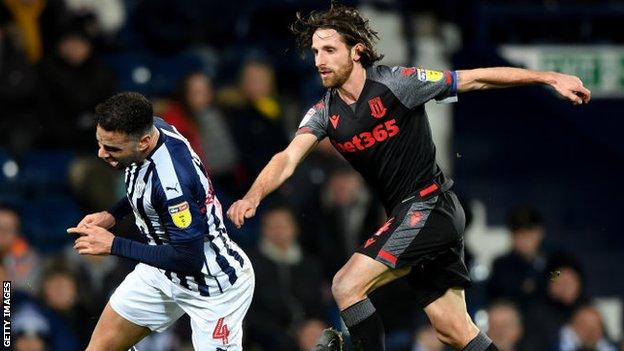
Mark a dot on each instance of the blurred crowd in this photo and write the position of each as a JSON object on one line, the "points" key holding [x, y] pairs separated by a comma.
{"points": [[230, 82]]}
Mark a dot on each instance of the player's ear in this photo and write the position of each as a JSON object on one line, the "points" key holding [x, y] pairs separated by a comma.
{"points": [[144, 142], [356, 51]]}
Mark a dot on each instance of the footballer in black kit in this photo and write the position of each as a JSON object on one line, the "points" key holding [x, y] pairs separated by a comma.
{"points": [[374, 116], [385, 136]]}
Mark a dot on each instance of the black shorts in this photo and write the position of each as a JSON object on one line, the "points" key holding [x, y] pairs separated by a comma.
{"points": [[428, 235]]}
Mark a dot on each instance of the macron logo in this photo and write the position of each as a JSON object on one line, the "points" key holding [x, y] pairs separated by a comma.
{"points": [[334, 120]]}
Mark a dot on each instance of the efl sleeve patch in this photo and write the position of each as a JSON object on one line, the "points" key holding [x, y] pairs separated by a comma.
{"points": [[181, 215], [426, 75]]}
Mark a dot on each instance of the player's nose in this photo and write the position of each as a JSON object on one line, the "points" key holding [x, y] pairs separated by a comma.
{"points": [[102, 153], [319, 60]]}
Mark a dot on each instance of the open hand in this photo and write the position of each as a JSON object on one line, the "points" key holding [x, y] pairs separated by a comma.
{"points": [[93, 240]]}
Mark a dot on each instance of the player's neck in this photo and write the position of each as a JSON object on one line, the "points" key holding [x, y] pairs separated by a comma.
{"points": [[351, 89]]}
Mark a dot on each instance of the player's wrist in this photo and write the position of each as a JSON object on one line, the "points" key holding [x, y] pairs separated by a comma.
{"points": [[548, 78], [254, 200]]}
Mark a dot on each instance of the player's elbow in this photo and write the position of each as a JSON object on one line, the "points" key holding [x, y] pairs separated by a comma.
{"points": [[190, 260], [190, 265]]}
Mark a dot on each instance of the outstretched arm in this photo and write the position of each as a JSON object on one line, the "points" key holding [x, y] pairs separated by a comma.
{"points": [[570, 87], [280, 168]]}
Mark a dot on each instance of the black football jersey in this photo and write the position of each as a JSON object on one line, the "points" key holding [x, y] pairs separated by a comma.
{"points": [[386, 136]]}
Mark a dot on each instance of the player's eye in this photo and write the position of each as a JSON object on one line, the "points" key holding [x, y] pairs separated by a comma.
{"points": [[111, 149]]}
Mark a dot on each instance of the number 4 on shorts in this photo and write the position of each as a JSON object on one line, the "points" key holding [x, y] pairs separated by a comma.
{"points": [[221, 331]]}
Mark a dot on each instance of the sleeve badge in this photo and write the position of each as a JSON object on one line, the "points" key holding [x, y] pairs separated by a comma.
{"points": [[426, 75], [181, 215]]}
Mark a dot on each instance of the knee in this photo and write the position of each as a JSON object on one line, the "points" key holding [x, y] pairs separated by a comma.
{"points": [[455, 331], [346, 288]]}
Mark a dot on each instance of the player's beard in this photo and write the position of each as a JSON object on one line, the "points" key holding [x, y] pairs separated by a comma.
{"points": [[340, 75]]}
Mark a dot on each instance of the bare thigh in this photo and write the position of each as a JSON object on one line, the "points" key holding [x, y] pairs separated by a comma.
{"points": [[115, 333]]}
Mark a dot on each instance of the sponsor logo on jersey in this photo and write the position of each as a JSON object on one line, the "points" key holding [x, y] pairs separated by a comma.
{"points": [[377, 108], [366, 140], [334, 119], [181, 215]]}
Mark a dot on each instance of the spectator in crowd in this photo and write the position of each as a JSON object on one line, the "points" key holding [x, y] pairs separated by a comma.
{"points": [[291, 282], [516, 275], [75, 80], [20, 98], [31, 330], [425, 339], [255, 114], [505, 326], [179, 114], [36, 24], [59, 293], [195, 115], [102, 19], [20, 261], [584, 332], [564, 293], [308, 332], [349, 215], [97, 276]]}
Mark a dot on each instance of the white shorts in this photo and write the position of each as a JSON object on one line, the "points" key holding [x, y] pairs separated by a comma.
{"points": [[148, 298]]}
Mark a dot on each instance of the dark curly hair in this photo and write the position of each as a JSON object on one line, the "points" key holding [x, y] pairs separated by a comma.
{"points": [[127, 112], [345, 20]]}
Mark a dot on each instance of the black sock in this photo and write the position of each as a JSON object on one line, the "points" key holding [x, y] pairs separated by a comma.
{"points": [[481, 342], [365, 326]]}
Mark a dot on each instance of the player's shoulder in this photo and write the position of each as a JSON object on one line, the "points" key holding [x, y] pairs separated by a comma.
{"points": [[173, 166], [319, 110], [383, 73]]}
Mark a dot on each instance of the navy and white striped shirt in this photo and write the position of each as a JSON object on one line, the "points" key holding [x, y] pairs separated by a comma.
{"points": [[176, 209]]}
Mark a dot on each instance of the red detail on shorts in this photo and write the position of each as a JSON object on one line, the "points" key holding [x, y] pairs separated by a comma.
{"points": [[370, 241], [380, 231], [428, 190], [408, 71], [415, 218], [384, 227], [449, 77], [387, 256], [303, 130], [334, 119], [221, 331]]}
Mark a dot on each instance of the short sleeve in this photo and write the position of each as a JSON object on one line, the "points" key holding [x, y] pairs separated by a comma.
{"points": [[416, 86], [315, 121]]}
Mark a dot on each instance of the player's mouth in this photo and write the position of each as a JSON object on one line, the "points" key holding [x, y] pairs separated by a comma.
{"points": [[325, 74], [114, 163]]}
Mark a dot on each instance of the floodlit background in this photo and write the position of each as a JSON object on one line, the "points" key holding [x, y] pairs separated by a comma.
{"points": [[541, 179]]}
